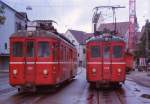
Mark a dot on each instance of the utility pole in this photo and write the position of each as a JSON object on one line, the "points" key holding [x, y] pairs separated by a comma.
{"points": [[132, 25]]}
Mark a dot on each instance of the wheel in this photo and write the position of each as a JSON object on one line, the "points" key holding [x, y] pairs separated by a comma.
{"points": [[92, 85], [117, 85], [21, 90]]}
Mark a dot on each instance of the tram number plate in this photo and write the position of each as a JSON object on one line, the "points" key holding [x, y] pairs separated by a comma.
{"points": [[106, 68], [30, 68]]}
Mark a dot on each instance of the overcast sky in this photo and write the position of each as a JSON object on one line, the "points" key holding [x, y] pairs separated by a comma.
{"points": [[76, 14]]}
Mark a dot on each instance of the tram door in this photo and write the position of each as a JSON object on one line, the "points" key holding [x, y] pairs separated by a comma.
{"points": [[30, 61], [106, 61]]}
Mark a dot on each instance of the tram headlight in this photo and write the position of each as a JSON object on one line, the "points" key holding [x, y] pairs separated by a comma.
{"points": [[15, 71], [45, 71], [119, 70], [94, 70]]}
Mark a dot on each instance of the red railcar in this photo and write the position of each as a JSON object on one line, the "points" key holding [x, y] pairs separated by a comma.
{"points": [[129, 62], [41, 58], [106, 62]]}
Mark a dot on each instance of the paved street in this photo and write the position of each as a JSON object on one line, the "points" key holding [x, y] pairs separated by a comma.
{"points": [[76, 92]]}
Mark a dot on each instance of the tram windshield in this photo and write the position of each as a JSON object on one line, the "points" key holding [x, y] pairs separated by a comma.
{"points": [[30, 49], [43, 49], [95, 51], [117, 52], [106, 51], [17, 49]]}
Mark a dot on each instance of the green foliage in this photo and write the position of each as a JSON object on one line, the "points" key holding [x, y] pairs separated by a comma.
{"points": [[143, 44]]}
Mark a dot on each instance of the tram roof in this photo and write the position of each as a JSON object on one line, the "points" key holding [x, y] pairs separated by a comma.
{"points": [[40, 33], [106, 38]]}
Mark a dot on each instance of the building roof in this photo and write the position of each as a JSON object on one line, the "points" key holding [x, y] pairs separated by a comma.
{"points": [[80, 35], [17, 13], [25, 15], [122, 27], [45, 21]]}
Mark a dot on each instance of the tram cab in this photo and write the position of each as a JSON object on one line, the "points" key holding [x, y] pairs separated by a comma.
{"points": [[105, 59], [36, 59]]}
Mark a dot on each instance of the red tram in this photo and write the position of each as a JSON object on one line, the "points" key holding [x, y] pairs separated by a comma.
{"points": [[41, 58], [106, 62]]}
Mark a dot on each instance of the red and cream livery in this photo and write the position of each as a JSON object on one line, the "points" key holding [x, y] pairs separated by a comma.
{"points": [[41, 58], [106, 63]]}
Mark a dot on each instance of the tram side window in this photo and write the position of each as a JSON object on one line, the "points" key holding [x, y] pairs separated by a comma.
{"points": [[55, 52], [61, 51], [30, 49], [95, 51], [18, 49], [43, 49], [117, 51]]}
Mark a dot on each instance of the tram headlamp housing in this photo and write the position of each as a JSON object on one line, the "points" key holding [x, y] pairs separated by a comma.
{"points": [[15, 71], [45, 72], [94, 70], [30, 34], [106, 39], [119, 70]]}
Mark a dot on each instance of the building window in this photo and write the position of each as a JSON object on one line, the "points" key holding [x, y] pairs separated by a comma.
{"points": [[18, 26], [83, 50], [5, 45], [78, 55]]}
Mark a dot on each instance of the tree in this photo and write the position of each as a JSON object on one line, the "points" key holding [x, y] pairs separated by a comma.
{"points": [[144, 45], [2, 17]]}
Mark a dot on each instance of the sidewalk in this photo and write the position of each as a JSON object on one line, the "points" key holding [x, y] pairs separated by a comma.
{"points": [[4, 72], [141, 78]]}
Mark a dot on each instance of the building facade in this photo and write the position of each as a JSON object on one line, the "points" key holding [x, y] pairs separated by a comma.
{"points": [[14, 21], [78, 38]]}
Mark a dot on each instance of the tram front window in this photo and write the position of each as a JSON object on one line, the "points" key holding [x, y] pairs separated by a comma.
{"points": [[95, 51], [43, 49], [117, 51], [30, 49], [17, 49], [106, 52]]}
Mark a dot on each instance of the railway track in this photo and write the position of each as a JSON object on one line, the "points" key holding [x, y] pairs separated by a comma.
{"points": [[109, 97]]}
